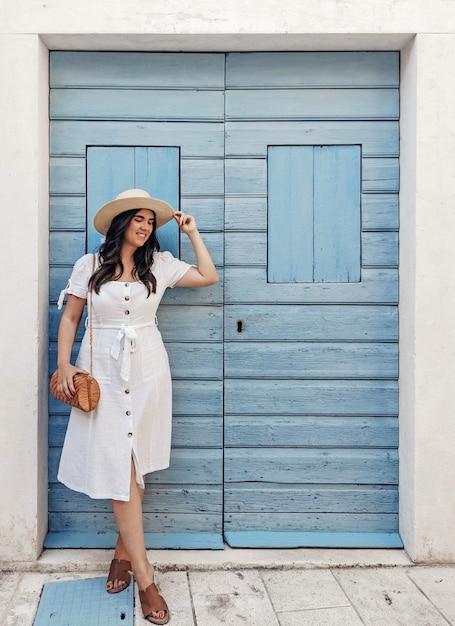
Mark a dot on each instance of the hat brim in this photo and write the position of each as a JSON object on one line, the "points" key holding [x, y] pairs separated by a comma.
{"points": [[163, 211]]}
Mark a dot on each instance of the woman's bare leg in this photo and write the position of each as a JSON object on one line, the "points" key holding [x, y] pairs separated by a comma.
{"points": [[128, 516], [121, 553]]}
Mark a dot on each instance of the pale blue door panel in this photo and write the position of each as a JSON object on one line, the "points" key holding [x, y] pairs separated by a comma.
{"points": [[337, 182], [89, 70], [111, 170], [124, 104], [313, 214], [132, 120], [290, 214], [312, 69], [311, 291], [316, 104]]}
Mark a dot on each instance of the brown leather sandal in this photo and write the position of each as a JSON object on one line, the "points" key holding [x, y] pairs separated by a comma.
{"points": [[152, 602], [120, 571]]}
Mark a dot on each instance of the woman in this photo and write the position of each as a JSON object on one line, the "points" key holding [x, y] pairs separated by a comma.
{"points": [[107, 453]]}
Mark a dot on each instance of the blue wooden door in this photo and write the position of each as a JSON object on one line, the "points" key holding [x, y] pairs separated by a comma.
{"points": [[290, 164], [311, 254], [152, 121]]}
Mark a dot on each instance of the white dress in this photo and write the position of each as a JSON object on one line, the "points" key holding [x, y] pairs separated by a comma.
{"points": [[134, 414]]}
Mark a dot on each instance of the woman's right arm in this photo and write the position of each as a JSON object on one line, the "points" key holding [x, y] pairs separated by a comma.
{"points": [[67, 330]]}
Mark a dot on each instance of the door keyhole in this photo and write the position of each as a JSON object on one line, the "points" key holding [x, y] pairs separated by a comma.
{"points": [[240, 326]]}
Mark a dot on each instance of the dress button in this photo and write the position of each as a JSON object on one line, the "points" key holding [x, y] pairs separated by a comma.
{"points": [[127, 390], [127, 312], [127, 284], [128, 412], [130, 435], [127, 297]]}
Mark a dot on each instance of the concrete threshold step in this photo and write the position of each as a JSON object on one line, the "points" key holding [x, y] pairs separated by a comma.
{"points": [[72, 560]]}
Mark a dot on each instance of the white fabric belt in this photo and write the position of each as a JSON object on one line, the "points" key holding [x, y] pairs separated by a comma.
{"points": [[128, 335]]}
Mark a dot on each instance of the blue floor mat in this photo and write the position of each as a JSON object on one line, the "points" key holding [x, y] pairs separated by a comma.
{"points": [[84, 603]]}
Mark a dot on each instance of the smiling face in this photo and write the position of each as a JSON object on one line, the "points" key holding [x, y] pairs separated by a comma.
{"points": [[140, 228]]}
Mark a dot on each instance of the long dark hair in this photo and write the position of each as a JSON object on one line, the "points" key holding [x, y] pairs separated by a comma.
{"points": [[109, 255]]}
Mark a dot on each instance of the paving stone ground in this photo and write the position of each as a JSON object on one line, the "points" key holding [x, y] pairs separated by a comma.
{"points": [[333, 596]]}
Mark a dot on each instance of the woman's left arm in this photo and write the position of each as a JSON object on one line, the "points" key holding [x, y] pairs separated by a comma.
{"points": [[205, 273]]}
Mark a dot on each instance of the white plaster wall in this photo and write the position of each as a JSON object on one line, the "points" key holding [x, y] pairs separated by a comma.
{"points": [[24, 258], [236, 17], [427, 444], [428, 300]]}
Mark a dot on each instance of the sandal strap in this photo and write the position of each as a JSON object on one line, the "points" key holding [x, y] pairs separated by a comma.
{"points": [[151, 601], [119, 570]]}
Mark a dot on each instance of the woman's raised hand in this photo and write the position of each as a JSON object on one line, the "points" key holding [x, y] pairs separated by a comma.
{"points": [[187, 223]]}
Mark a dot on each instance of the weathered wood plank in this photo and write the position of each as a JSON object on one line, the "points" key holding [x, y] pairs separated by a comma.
{"points": [[214, 243], [311, 322], [159, 522], [67, 176], [198, 360], [299, 539], [202, 177], [137, 69], [245, 213], [195, 139], [164, 499], [67, 213], [311, 360], [315, 104], [252, 138], [66, 246], [306, 465], [249, 285], [312, 69], [380, 211], [187, 431], [312, 522], [124, 104], [310, 431], [263, 498], [197, 397], [311, 397], [193, 431], [153, 541], [208, 212], [201, 466], [380, 249], [380, 175]]}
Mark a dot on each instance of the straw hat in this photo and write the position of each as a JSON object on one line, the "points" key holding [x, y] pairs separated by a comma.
{"points": [[132, 199]]}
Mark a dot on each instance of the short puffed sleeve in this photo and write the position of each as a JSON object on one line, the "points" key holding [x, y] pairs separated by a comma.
{"points": [[169, 269], [78, 281]]}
